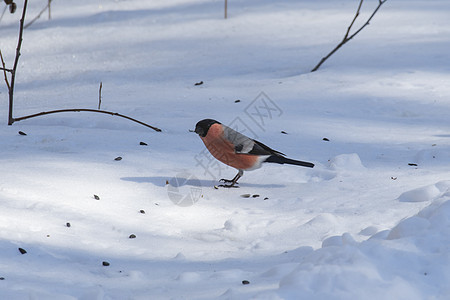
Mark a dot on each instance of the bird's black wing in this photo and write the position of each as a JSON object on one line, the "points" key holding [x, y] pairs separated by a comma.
{"points": [[244, 144], [261, 149]]}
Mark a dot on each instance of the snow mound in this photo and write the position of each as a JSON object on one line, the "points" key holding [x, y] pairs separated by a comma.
{"points": [[411, 262], [409, 227], [336, 240], [427, 193], [369, 231], [346, 162], [319, 174]]}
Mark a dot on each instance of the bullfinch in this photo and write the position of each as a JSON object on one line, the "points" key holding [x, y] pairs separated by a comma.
{"points": [[237, 150]]}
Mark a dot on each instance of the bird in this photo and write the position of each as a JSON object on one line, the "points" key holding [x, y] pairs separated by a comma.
{"points": [[239, 151]]}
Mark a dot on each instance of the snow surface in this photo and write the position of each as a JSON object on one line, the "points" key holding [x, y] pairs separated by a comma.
{"points": [[370, 221]]}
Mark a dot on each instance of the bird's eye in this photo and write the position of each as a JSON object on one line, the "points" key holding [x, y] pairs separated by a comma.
{"points": [[199, 130]]}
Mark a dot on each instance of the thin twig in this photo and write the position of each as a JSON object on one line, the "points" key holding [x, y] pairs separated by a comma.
{"points": [[39, 15], [86, 110], [346, 36], [380, 2], [4, 69], [49, 9], [16, 62], [100, 95], [354, 19], [1, 17], [11, 120], [226, 9]]}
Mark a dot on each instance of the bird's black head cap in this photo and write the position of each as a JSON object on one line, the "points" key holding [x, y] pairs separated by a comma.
{"points": [[202, 126]]}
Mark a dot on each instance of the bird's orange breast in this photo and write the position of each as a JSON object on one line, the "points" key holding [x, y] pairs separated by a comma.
{"points": [[223, 150]]}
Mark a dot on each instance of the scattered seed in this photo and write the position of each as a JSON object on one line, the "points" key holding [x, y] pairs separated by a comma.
{"points": [[22, 251], [2, 278], [143, 144], [266, 198], [394, 178], [118, 158], [325, 139], [245, 196], [216, 187], [255, 196], [167, 182], [199, 83], [22, 133], [245, 282], [434, 145], [283, 132], [237, 101], [12, 7], [142, 211], [105, 263], [68, 224], [96, 197], [132, 236], [412, 164]]}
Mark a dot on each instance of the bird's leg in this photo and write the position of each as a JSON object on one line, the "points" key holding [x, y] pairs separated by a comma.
{"points": [[238, 175], [232, 181]]}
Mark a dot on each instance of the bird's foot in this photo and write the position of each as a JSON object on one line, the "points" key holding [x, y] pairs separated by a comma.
{"points": [[229, 185], [232, 183], [226, 180]]}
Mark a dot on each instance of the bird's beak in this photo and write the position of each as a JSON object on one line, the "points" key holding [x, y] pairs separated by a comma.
{"points": [[190, 130]]}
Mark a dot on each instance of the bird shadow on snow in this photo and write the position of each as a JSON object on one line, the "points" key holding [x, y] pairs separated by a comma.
{"points": [[161, 181]]}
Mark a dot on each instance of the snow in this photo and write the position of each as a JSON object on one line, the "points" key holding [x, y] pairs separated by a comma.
{"points": [[370, 221]]}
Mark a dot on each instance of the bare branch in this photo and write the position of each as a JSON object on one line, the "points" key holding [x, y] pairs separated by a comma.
{"points": [[49, 9], [226, 9], [86, 110], [40, 14], [4, 69], [369, 19], [354, 19], [16, 62], [11, 119], [100, 95], [346, 36], [4, 10]]}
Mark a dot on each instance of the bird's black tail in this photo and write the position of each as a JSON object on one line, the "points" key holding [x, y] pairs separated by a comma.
{"points": [[283, 160]]}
